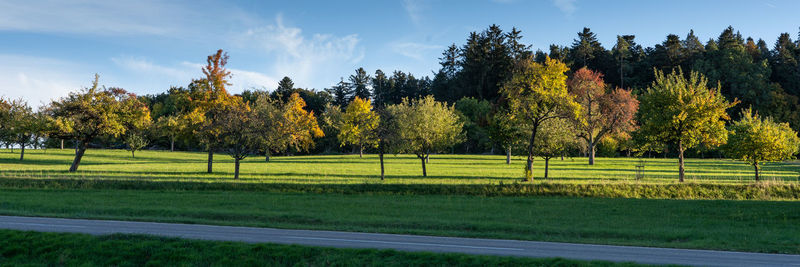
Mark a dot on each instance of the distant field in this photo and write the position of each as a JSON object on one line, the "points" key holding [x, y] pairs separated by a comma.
{"points": [[350, 169]]}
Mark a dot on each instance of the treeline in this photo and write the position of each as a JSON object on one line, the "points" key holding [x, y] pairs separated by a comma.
{"points": [[491, 94]]}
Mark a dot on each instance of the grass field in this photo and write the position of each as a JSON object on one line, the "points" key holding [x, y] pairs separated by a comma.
{"points": [[762, 226], [350, 169], [48, 249]]}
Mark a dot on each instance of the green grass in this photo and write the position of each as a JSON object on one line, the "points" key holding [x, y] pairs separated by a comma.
{"points": [[50, 249], [350, 169], [760, 226]]}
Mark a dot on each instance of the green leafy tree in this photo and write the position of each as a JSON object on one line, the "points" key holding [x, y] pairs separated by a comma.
{"points": [[677, 110], [538, 93], [95, 111], [507, 131], [555, 138], [755, 140], [475, 114], [23, 125], [270, 125], [170, 127], [135, 141], [424, 126], [358, 125]]}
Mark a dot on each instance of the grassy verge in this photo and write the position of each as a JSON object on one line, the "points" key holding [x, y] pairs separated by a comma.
{"points": [[50, 249], [759, 226], [759, 191]]}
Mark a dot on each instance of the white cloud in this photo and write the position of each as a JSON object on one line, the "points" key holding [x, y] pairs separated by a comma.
{"points": [[306, 59], [40, 80], [566, 6], [416, 51]]}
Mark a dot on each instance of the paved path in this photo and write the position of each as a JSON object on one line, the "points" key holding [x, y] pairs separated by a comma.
{"points": [[405, 242]]}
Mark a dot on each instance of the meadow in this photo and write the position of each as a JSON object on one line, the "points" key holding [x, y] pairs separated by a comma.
{"points": [[400, 169], [464, 195]]}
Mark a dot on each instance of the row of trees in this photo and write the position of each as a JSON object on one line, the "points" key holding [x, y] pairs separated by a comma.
{"points": [[501, 94]]}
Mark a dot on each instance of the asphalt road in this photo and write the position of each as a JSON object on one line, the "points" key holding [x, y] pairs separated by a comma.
{"points": [[404, 242]]}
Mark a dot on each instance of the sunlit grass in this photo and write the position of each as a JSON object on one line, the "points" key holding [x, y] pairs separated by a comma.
{"points": [[350, 169]]}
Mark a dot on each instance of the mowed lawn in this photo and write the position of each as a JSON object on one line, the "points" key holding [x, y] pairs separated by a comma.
{"points": [[349, 169]]}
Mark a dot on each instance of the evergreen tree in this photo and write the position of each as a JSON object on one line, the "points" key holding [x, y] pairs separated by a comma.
{"points": [[359, 85]]}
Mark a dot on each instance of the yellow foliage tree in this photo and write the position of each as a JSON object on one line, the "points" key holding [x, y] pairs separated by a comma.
{"points": [[358, 125]]}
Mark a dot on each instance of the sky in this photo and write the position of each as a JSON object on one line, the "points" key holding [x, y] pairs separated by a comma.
{"points": [[49, 48]]}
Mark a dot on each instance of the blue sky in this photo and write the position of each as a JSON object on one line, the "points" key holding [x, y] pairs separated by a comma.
{"points": [[48, 48]]}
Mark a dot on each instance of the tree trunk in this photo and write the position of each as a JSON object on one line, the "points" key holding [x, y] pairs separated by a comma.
{"points": [[508, 155], [756, 167], [210, 160], [680, 161], [267, 156], [592, 149], [78, 155], [529, 163], [546, 166], [22, 152], [133, 154], [62, 144], [380, 155], [172, 144], [424, 171], [361, 151], [236, 169]]}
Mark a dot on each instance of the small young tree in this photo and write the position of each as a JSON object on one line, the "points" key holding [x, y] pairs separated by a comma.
{"points": [[554, 139], [538, 93], [605, 111], [424, 126], [754, 140], [170, 127], [135, 141], [683, 111], [94, 111], [269, 121], [358, 125]]}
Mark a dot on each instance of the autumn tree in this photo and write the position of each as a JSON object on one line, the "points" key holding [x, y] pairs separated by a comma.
{"points": [[677, 110], [299, 125], [554, 139], [424, 126], [358, 125], [239, 135], [212, 93], [605, 111], [754, 140], [538, 93], [272, 129], [95, 111]]}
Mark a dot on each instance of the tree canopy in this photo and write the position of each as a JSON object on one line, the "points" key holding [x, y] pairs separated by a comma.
{"points": [[755, 139]]}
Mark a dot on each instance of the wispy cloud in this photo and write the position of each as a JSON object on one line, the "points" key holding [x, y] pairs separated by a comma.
{"points": [[413, 9], [307, 59], [94, 17], [566, 6], [416, 51]]}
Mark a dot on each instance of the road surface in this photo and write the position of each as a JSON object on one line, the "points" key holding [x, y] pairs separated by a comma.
{"points": [[405, 242]]}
